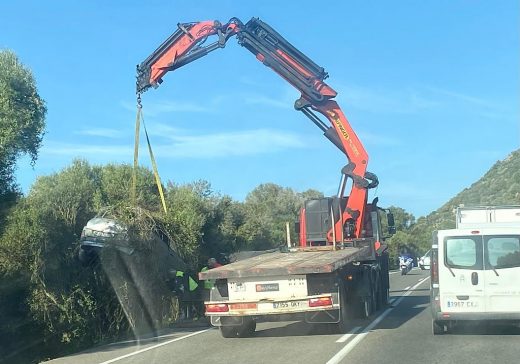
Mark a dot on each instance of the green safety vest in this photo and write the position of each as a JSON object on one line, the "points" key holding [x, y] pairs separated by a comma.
{"points": [[208, 283], [191, 282]]}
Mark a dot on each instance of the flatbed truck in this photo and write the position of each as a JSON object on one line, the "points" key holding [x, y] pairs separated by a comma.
{"points": [[339, 269]]}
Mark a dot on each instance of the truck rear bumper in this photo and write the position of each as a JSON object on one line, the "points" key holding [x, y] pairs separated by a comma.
{"points": [[273, 307]]}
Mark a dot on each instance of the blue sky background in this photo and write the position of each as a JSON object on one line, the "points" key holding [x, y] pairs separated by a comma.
{"points": [[431, 87]]}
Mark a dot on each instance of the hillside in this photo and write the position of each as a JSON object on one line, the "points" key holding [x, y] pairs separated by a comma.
{"points": [[499, 186]]}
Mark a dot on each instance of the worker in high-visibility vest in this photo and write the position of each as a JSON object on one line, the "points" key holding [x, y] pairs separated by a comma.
{"points": [[185, 288], [209, 283]]}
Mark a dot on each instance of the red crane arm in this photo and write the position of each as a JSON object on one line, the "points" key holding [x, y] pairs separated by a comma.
{"points": [[182, 47], [270, 48], [356, 169]]}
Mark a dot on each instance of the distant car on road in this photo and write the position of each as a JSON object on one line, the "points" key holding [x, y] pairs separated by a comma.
{"points": [[424, 261]]}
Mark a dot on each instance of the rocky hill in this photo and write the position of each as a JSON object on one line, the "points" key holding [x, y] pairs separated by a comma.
{"points": [[499, 186]]}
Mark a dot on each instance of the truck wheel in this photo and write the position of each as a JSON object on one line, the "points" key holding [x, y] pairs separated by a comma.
{"points": [[366, 308], [229, 331], [382, 297], [344, 311], [437, 328], [247, 328]]}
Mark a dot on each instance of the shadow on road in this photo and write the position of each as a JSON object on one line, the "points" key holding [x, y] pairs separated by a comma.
{"points": [[297, 329], [484, 328], [144, 340], [410, 307]]}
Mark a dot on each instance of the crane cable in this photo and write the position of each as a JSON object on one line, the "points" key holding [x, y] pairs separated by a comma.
{"points": [[139, 117]]}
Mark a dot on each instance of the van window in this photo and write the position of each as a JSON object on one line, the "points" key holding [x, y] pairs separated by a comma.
{"points": [[503, 251], [464, 252]]}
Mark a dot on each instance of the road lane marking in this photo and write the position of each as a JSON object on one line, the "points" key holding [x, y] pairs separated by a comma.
{"points": [[153, 347], [140, 341], [348, 335], [358, 338], [407, 288]]}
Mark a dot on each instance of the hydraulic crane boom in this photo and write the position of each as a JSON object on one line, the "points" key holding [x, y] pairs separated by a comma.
{"points": [[270, 48]]}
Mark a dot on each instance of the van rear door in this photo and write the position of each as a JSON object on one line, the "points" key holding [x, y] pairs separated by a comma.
{"points": [[461, 274], [502, 275]]}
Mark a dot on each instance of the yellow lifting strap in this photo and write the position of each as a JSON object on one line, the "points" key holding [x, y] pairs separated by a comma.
{"points": [[138, 119]]}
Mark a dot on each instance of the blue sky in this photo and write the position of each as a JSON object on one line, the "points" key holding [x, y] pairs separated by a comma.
{"points": [[432, 88]]}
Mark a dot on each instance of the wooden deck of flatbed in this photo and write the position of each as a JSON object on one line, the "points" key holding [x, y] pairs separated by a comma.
{"points": [[279, 264]]}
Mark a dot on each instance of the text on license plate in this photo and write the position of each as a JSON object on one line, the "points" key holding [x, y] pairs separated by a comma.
{"points": [[290, 304]]}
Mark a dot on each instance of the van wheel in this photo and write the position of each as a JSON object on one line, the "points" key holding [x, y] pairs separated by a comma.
{"points": [[437, 328]]}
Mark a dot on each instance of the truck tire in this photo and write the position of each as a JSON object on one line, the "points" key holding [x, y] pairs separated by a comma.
{"points": [[245, 330], [229, 331], [344, 311], [437, 328], [366, 308], [383, 294]]}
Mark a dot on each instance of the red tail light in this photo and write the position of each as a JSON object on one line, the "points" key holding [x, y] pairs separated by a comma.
{"points": [[321, 301], [217, 307]]}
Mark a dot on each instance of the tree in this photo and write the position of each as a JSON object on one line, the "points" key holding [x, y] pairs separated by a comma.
{"points": [[22, 119], [267, 208], [61, 305]]}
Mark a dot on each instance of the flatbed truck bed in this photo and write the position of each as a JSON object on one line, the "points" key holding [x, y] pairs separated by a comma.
{"points": [[290, 263]]}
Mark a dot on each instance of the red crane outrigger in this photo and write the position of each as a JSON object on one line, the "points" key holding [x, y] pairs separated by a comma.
{"points": [[346, 217]]}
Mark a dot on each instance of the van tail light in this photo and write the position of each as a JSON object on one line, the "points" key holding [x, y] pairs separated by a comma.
{"points": [[218, 307], [434, 265], [321, 301]]}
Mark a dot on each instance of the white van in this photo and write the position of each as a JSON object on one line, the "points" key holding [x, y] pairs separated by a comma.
{"points": [[475, 275]]}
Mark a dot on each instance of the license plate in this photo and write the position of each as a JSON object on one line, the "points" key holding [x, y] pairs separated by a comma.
{"points": [[289, 304]]}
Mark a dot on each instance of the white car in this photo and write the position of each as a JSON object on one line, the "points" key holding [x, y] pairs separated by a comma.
{"points": [[424, 261]]}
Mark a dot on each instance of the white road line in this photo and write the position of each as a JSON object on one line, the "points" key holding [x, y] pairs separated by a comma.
{"points": [[140, 340], [153, 347], [348, 335], [352, 344], [407, 288]]}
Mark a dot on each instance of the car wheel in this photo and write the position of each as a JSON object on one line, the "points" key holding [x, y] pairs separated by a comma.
{"points": [[437, 328]]}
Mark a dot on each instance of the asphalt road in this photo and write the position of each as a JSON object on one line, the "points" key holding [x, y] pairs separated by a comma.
{"points": [[398, 334]]}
